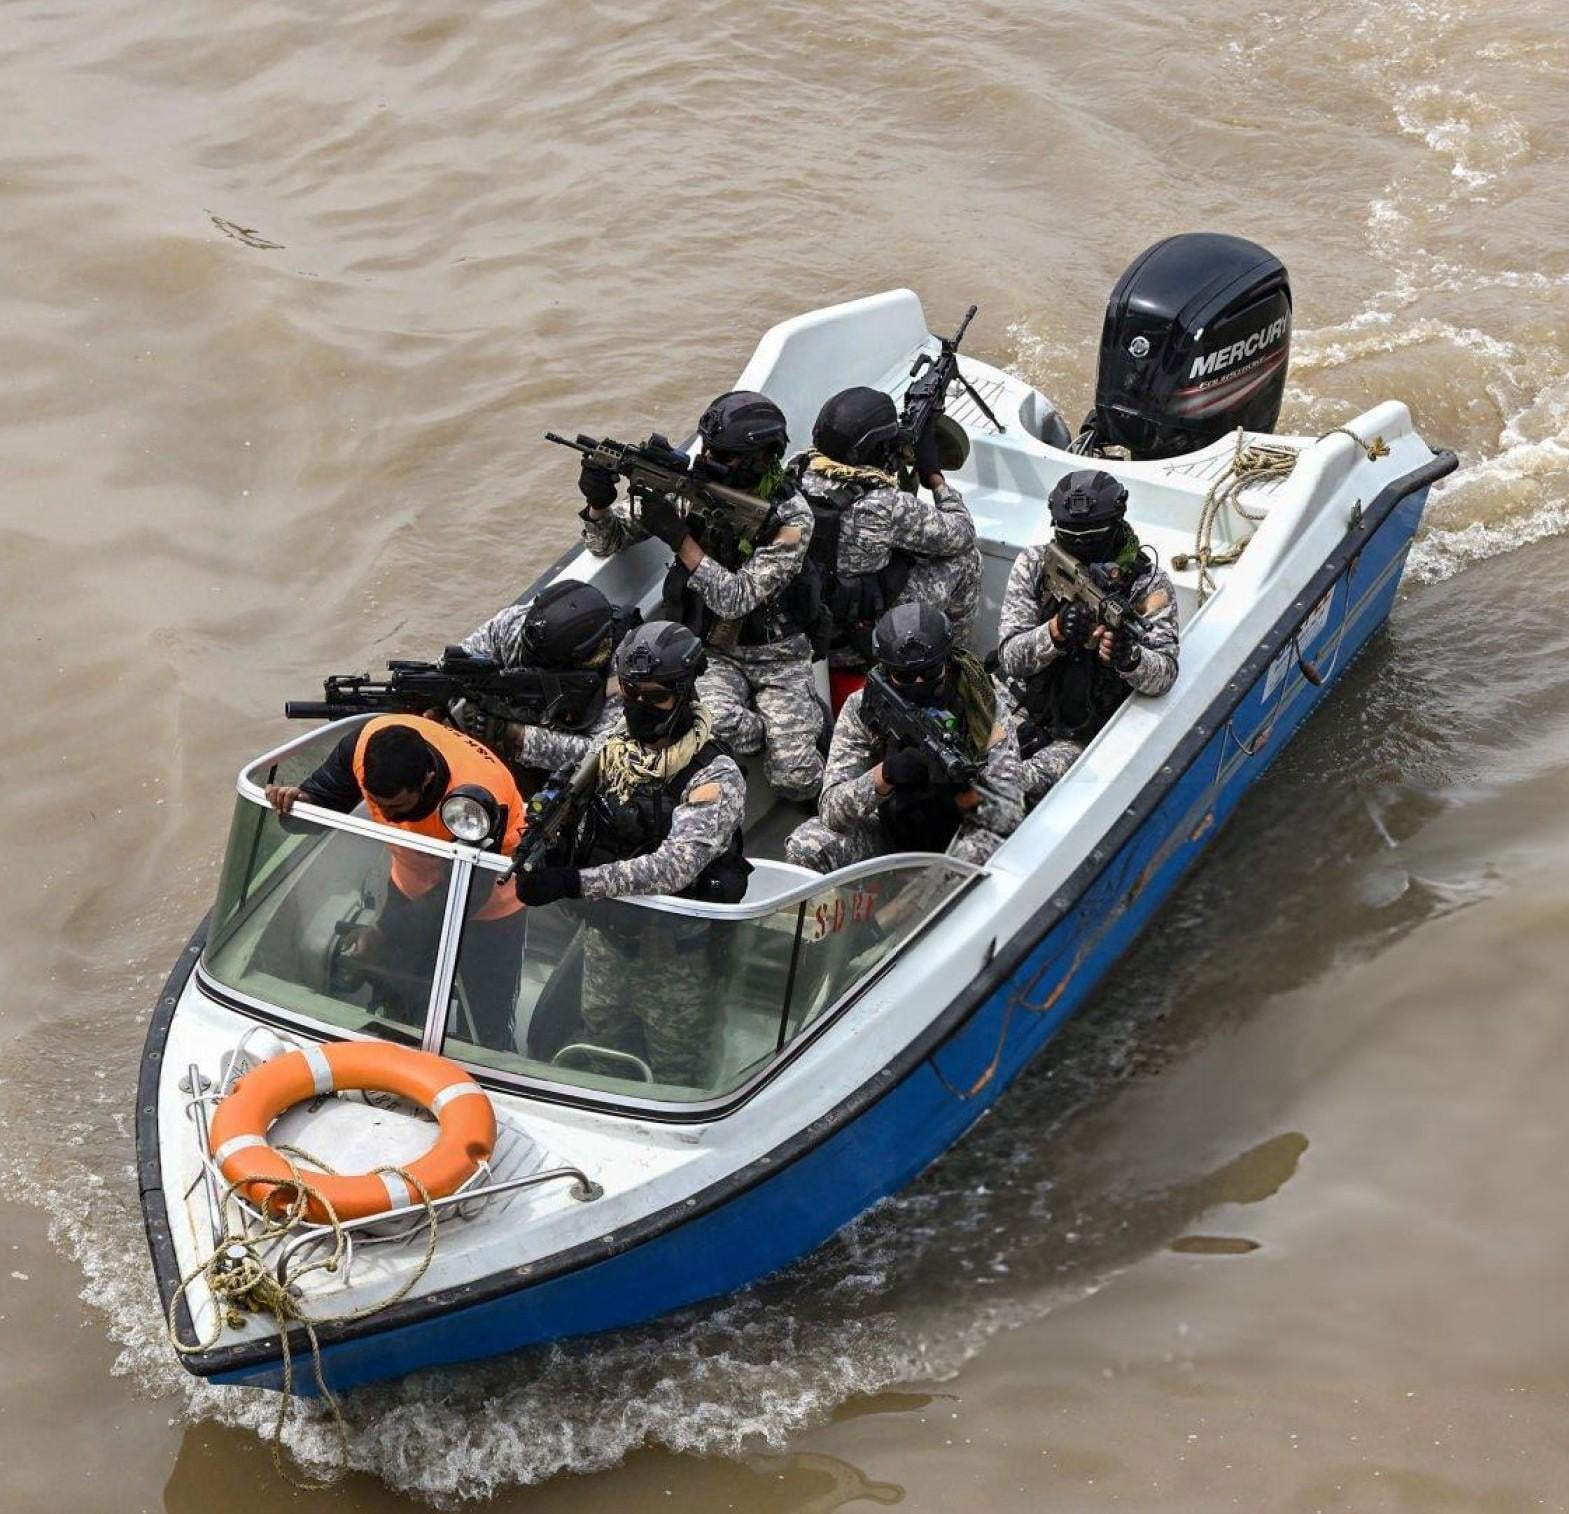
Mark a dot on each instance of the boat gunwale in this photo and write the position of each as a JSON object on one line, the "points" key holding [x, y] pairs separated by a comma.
{"points": [[1003, 964]]}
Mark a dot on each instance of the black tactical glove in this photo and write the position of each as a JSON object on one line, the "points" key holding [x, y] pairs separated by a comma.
{"points": [[928, 459], [545, 885], [907, 769], [1074, 623], [1124, 650], [1031, 738], [597, 486], [662, 518]]}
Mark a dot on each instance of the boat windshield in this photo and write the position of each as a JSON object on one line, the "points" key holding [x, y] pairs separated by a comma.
{"points": [[629, 998], [336, 922], [306, 920]]}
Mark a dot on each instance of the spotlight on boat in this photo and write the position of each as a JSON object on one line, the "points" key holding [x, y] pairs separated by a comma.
{"points": [[472, 815]]}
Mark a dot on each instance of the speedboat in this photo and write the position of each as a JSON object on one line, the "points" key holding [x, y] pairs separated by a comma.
{"points": [[866, 1018]]}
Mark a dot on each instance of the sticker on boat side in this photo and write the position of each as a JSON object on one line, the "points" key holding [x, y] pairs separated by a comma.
{"points": [[1312, 628], [1317, 619], [831, 916]]}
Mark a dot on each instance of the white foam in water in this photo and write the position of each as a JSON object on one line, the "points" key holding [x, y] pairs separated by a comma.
{"points": [[905, 1296]]}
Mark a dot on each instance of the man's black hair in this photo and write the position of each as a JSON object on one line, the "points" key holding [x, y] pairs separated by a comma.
{"points": [[396, 760]]}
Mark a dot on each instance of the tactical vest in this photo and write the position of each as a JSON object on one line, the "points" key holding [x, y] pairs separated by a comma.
{"points": [[854, 607], [793, 611], [917, 820], [416, 873], [1075, 694], [613, 830]]}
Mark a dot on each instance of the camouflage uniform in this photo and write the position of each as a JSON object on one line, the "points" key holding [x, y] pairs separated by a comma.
{"points": [[649, 984], [938, 535], [1025, 648], [536, 746], [846, 829], [762, 696]]}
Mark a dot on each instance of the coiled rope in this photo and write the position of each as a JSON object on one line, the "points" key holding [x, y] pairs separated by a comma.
{"points": [[1254, 462], [241, 1284]]}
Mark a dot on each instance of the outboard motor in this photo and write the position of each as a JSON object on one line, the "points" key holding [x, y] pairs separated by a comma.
{"points": [[1195, 343]]}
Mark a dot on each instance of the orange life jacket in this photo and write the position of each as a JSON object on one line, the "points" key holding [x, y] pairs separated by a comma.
{"points": [[415, 873]]}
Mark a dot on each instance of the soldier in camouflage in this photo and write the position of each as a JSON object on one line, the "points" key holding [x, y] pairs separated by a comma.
{"points": [[880, 545], [664, 817], [881, 795], [568, 627], [754, 600], [1066, 674]]}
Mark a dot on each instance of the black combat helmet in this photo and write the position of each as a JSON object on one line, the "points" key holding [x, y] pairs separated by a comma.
{"points": [[660, 651], [1087, 511], [659, 658], [858, 426], [745, 434], [913, 643], [567, 625]]}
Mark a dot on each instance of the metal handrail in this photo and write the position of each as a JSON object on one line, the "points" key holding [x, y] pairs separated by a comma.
{"points": [[583, 1189], [455, 851], [196, 1110]]}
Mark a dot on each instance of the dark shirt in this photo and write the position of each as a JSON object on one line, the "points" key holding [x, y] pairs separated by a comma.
{"points": [[333, 785]]}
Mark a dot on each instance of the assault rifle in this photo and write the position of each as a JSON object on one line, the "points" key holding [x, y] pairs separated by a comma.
{"points": [[1066, 577], [655, 467], [933, 732], [930, 379], [550, 809], [531, 696]]}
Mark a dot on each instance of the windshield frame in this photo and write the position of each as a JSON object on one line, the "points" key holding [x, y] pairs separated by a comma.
{"points": [[465, 859]]}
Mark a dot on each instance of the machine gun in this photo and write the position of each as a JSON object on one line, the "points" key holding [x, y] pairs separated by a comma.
{"points": [[930, 379], [934, 732], [655, 467], [1065, 577], [549, 811], [531, 696]]}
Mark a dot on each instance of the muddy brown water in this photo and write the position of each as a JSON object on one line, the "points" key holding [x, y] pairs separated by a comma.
{"points": [[290, 293]]}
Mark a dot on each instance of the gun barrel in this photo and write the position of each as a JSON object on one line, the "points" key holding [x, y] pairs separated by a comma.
{"points": [[964, 325], [319, 709], [562, 441]]}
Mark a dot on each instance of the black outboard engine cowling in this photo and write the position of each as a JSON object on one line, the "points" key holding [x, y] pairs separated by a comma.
{"points": [[1195, 343]]}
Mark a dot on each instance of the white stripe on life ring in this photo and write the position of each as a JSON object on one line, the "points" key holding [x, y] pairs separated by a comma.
{"points": [[321, 1068], [453, 1091], [398, 1195], [237, 1143]]}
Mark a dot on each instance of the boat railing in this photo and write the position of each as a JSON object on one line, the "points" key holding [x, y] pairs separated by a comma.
{"points": [[250, 787]]}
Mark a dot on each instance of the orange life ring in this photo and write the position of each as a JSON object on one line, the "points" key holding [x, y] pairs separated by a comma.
{"points": [[462, 1109]]}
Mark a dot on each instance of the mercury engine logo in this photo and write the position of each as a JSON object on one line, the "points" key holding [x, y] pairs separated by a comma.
{"points": [[1223, 357]]}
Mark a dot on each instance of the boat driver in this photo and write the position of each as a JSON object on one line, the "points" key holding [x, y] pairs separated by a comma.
{"points": [[664, 817], [402, 767], [755, 604], [1068, 675], [882, 794]]}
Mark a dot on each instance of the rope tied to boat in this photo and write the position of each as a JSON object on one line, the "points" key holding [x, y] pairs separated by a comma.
{"points": [[1252, 462], [241, 1284]]}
